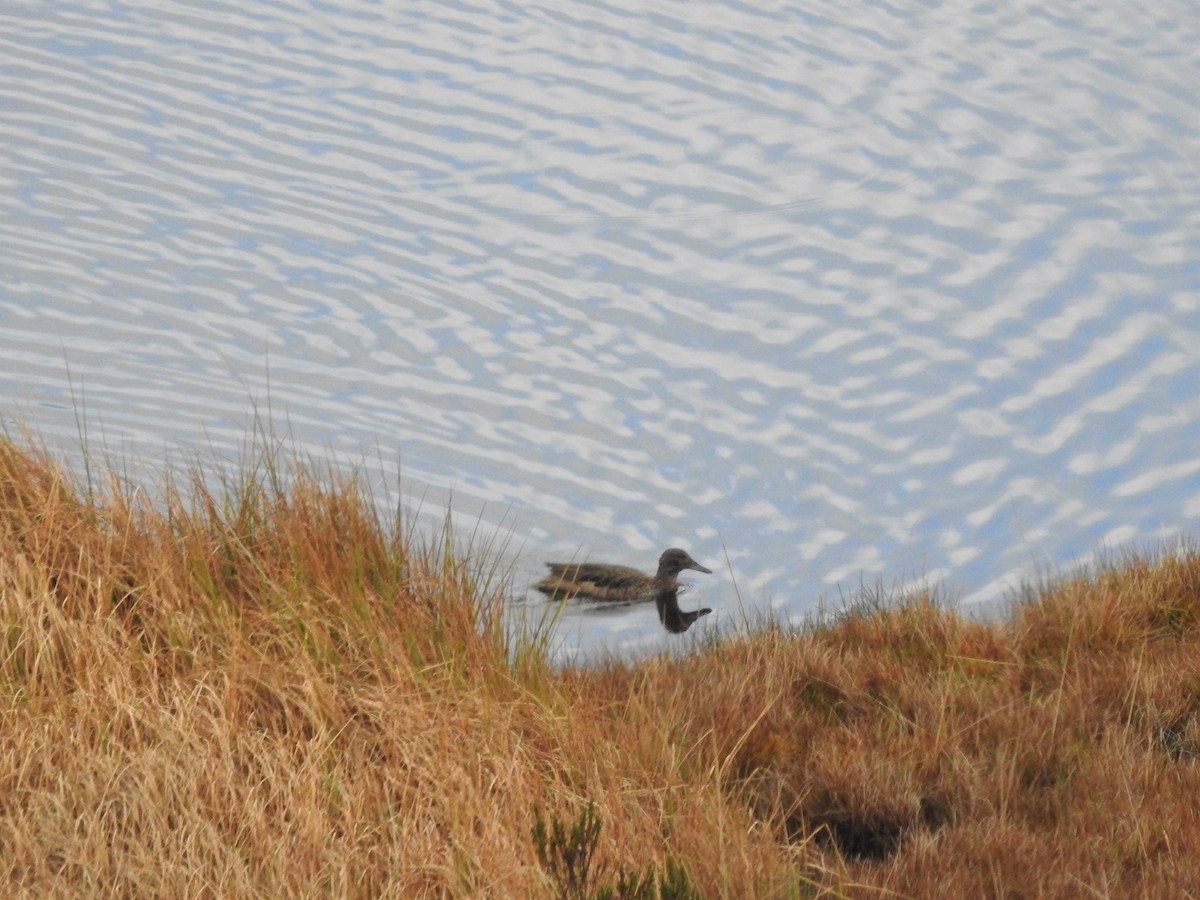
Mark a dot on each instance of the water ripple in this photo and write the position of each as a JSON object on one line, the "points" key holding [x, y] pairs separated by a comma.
{"points": [[909, 292]]}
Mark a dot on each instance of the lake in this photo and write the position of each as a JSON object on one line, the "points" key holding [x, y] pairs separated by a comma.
{"points": [[828, 294]]}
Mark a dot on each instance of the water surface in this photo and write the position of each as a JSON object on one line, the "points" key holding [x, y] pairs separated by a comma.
{"points": [[824, 298]]}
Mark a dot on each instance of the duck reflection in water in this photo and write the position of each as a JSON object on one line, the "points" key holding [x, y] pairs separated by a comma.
{"points": [[601, 581], [674, 619]]}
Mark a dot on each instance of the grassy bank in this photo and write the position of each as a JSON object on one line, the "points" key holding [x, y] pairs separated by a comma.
{"points": [[264, 690]]}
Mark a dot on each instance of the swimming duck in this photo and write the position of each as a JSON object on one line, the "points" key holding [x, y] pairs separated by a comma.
{"points": [[598, 581], [674, 619]]}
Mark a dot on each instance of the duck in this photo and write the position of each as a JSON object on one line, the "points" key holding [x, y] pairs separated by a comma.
{"points": [[600, 581], [674, 619]]}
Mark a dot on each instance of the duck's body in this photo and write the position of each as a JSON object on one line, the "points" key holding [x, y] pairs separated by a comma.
{"points": [[598, 581]]}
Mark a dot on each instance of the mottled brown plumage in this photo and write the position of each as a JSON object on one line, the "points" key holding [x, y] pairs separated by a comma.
{"points": [[598, 581]]}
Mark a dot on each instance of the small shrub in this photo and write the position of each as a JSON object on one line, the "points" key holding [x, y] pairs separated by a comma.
{"points": [[568, 856]]}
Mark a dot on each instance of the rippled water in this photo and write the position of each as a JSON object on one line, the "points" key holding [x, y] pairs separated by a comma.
{"points": [[833, 292]]}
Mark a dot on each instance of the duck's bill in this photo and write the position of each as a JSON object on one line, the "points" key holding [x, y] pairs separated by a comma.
{"points": [[699, 568]]}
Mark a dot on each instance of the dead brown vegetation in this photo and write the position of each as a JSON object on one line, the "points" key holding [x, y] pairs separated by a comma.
{"points": [[264, 690]]}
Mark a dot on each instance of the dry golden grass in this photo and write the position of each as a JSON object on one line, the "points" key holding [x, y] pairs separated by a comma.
{"points": [[263, 690]]}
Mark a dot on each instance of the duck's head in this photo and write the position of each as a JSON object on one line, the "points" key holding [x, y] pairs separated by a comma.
{"points": [[674, 561]]}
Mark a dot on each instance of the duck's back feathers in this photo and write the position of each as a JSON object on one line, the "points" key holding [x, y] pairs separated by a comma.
{"points": [[598, 581], [595, 580]]}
